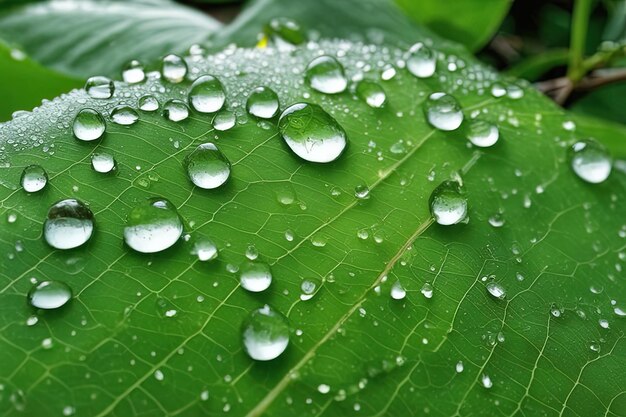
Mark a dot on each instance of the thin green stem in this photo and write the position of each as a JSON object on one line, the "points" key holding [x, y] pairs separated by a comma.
{"points": [[580, 21]]}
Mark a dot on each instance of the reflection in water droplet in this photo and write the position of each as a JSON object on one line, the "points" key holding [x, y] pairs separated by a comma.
{"points": [[207, 167], [69, 224], [421, 61], [153, 226], [148, 103], [224, 120], [49, 295], [591, 161], [102, 162], [133, 72], [309, 287], [483, 134], [496, 290], [124, 115], [448, 204], [362, 192], [372, 93], [173, 68], [443, 112], [205, 250], [255, 276], [326, 75], [34, 178], [206, 94], [311, 133], [265, 334], [262, 103], [397, 291], [100, 87], [88, 125], [175, 110]]}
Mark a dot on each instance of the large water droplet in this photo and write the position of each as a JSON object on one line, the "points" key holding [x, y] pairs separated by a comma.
{"points": [[284, 31], [224, 120], [34, 178], [173, 68], [443, 112], [99, 87], [372, 93], [102, 162], [69, 224], [124, 115], [148, 103], [153, 226], [326, 75], [421, 61], [265, 334], [206, 94], [483, 134], [591, 161], [311, 133], [496, 290], [49, 295], [262, 103], [207, 166], [88, 125], [448, 204], [133, 72], [255, 276], [175, 110], [397, 291]]}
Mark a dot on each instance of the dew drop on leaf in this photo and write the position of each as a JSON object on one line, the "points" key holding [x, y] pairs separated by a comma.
{"points": [[308, 288], [326, 75], [427, 290], [486, 381], [283, 31], [255, 276], [153, 226], [397, 291], [103, 162], [590, 160], [362, 192], [133, 72], [100, 87], [148, 103], [205, 250], [496, 220], [49, 295], [69, 224], [265, 334], [224, 120], [443, 111], [482, 133], [262, 103], [175, 110], [207, 167], [124, 115], [372, 93], [421, 61], [459, 367], [206, 94], [448, 204], [88, 125], [34, 178], [173, 68], [496, 290], [311, 133], [498, 90]]}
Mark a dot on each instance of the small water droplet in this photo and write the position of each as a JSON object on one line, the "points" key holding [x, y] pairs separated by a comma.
{"points": [[153, 226], [255, 276], [34, 178], [323, 388], [284, 31], [443, 112], [124, 115], [362, 192], [498, 90], [619, 312], [207, 166], [448, 204], [482, 133], [311, 133], [175, 110], [262, 103], [459, 367], [102, 162], [486, 381], [133, 72], [148, 103], [224, 120], [49, 295], [100, 87], [88, 125], [590, 160], [497, 220], [496, 290], [206, 94], [372, 93], [173, 68], [309, 287], [397, 291], [421, 61], [326, 75], [556, 311], [265, 334], [69, 224], [205, 250], [427, 290]]}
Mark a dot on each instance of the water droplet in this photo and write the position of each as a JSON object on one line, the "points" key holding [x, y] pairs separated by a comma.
{"points": [[262, 103], [69, 224], [265, 334], [34, 178], [496, 290], [619, 312], [224, 120], [448, 204], [49, 295], [100, 87], [102, 162], [284, 31], [486, 381], [427, 290], [459, 367], [88, 125], [595, 347], [326, 75], [323, 388], [421, 61], [362, 192], [255, 276], [205, 250], [443, 112], [173, 68], [133, 72], [397, 291], [252, 252], [311, 133], [498, 90], [206, 94], [603, 323], [309, 287], [496, 220], [372, 93], [148, 103], [514, 91], [483, 134], [153, 226], [124, 115], [207, 166], [590, 160], [175, 110]]}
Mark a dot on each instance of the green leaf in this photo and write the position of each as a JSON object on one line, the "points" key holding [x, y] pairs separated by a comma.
{"points": [[112, 350], [470, 22], [84, 38], [27, 83]]}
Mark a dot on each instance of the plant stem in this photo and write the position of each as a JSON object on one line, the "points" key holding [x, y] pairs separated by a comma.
{"points": [[580, 20]]}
